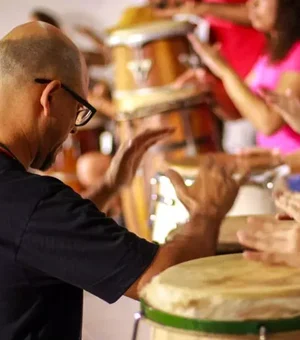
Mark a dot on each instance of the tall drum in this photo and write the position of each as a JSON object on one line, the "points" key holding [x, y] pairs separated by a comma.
{"points": [[223, 298], [148, 58]]}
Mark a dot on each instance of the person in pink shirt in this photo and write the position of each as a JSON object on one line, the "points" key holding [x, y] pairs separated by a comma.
{"points": [[278, 69]]}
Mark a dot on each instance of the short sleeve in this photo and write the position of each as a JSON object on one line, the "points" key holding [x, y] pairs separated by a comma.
{"points": [[67, 238]]}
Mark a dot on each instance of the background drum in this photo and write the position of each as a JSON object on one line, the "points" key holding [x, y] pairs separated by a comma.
{"points": [[254, 198], [148, 58], [224, 298]]}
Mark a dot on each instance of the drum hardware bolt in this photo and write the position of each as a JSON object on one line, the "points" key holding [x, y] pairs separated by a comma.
{"points": [[169, 201], [137, 319], [140, 70], [262, 333], [164, 200], [152, 218], [154, 197], [188, 182], [153, 181]]}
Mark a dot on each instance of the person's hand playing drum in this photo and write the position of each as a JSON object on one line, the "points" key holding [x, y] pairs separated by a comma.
{"points": [[199, 77], [271, 241], [213, 191], [124, 165], [287, 105], [256, 158]]}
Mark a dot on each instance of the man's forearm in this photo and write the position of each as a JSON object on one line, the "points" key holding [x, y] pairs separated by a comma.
{"points": [[236, 13], [196, 240]]}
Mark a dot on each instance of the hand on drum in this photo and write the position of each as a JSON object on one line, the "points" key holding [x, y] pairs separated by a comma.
{"points": [[199, 77], [213, 192], [272, 242], [210, 56], [256, 158], [289, 202], [287, 105], [128, 157]]}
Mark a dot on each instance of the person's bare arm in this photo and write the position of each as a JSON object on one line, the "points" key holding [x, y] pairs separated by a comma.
{"points": [[236, 13], [195, 244], [287, 105], [249, 104], [208, 200]]}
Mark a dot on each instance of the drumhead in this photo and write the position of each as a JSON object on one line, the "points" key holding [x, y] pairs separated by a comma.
{"points": [[145, 102], [226, 288], [144, 33]]}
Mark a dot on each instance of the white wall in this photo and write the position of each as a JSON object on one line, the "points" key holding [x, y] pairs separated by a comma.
{"points": [[96, 13]]}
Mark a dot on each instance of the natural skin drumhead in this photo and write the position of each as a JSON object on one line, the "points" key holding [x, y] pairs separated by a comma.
{"points": [[226, 288]]}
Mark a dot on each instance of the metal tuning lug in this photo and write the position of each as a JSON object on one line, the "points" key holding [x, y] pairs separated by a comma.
{"points": [[137, 319], [140, 70], [262, 333]]}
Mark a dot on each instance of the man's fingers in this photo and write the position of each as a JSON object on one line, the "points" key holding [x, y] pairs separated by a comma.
{"points": [[180, 188], [151, 133], [264, 257], [267, 222]]}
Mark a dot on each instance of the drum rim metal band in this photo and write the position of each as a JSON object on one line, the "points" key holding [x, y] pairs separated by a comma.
{"points": [[161, 108], [252, 327], [136, 37]]}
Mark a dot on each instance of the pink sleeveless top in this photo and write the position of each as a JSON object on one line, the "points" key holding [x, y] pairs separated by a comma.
{"points": [[267, 76]]}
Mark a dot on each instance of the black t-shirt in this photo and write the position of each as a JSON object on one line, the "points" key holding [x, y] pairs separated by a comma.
{"points": [[54, 245]]}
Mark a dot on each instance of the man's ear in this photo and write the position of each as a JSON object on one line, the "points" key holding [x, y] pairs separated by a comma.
{"points": [[47, 94]]}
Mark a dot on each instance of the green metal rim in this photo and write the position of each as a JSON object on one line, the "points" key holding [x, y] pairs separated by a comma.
{"points": [[219, 327]]}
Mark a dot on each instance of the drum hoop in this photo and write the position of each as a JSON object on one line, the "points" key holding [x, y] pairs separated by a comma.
{"points": [[219, 327], [161, 108], [136, 36]]}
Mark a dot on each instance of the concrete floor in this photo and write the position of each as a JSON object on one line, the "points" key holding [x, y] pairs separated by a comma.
{"points": [[102, 321]]}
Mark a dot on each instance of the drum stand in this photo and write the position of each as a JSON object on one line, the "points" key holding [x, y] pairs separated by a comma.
{"points": [[139, 316]]}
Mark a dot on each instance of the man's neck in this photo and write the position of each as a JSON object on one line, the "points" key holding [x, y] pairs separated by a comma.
{"points": [[19, 147]]}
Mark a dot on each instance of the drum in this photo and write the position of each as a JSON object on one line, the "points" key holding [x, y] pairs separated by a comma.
{"points": [[254, 198], [223, 298], [148, 57]]}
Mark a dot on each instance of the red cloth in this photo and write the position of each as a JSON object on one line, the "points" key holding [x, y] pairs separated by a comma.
{"points": [[240, 45]]}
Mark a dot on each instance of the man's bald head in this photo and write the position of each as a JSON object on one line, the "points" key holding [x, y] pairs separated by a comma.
{"points": [[38, 50]]}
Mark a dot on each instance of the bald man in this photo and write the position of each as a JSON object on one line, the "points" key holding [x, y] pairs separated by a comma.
{"points": [[53, 243]]}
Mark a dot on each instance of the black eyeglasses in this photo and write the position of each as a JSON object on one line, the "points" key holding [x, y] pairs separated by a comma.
{"points": [[85, 113]]}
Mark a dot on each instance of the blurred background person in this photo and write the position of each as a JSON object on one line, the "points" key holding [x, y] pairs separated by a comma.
{"points": [[277, 69]]}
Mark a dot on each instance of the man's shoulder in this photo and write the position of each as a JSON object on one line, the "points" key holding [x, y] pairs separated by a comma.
{"points": [[30, 186]]}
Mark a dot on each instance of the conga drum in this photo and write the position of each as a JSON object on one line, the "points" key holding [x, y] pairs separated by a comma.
{"points": [[223, 298], [254, 198], [148, 58]]}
